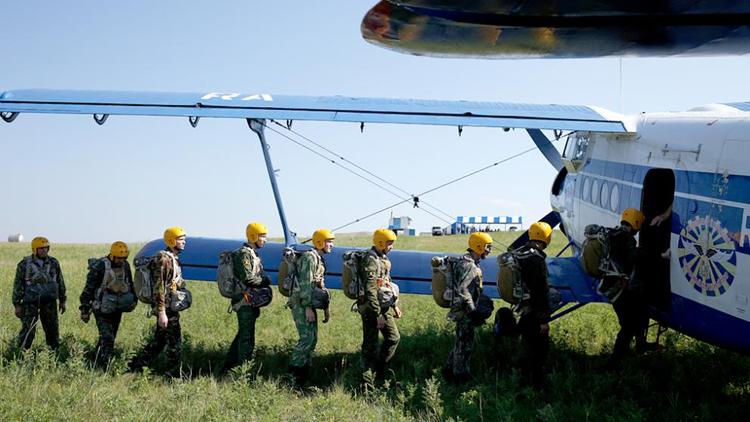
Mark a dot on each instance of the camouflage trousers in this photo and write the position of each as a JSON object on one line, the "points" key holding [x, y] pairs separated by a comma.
{"points": [[32, 314], [459, 358], [108, 324], [372, 358], [169, 337], [308, 338], [244, 342]]}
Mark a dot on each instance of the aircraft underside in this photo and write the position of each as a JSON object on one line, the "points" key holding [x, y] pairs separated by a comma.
{"points": [[562, 29]]}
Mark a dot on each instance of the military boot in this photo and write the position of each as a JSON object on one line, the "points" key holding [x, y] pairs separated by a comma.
{"points": [[300, 374]]}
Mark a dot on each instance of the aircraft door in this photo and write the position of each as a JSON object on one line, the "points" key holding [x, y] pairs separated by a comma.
{"points": [[655, 237]]}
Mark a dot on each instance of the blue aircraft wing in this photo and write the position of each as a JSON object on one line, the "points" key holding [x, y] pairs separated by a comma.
{"points": [[288, 107]]}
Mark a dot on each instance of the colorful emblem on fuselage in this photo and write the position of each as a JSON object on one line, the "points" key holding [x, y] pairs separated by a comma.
{"points": [[707, 256]]}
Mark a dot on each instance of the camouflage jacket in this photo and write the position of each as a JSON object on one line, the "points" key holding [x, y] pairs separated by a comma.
{"points": [[468, 283], [248, 269], [311, 270], [534, 275], [45, 270], [95, 278], [376, 270], [167, 277]]}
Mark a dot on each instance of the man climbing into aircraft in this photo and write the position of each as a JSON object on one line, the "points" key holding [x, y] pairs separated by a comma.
{"points": [[248, 270], [108, 280], [310, 277], [38, 285], [629, 305], [535, 311], [376, 318], [468, 282], [168, 299]]}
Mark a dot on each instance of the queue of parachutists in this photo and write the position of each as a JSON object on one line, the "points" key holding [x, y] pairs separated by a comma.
{"points": [[112, 288]]}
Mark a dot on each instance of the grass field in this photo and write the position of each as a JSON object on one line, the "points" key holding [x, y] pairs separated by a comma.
{"points": [[689, 380]]}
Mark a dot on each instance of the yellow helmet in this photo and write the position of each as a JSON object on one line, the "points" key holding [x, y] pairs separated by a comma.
{"points": [[119, 250], [320, 236], [381, 237], [541, 232], [254, 230], [171, 234], [478, 242], [39, 242], [633, 217]]}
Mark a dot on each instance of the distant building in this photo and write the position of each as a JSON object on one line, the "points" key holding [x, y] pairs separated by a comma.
{"points": [[470, 224], [400, 225], [15, 238]]}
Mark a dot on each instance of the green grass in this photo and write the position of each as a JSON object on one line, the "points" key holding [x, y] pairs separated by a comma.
{"points": [[689, 380]]}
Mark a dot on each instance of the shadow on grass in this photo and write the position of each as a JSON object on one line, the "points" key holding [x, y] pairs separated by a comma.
{"points": [[697, 381]]}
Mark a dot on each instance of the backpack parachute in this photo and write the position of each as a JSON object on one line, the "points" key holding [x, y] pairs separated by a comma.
{"points": [[597, 262], [442, 280], [225, 279], [143, 279], [595, 251], [351, 277], [510, 286], [288, 271]]}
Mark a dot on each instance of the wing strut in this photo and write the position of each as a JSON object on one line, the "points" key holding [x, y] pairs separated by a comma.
{"points": [[258, 126]]}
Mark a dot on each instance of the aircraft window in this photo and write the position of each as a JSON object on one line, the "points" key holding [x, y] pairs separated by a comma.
{"points": [[575, 152], [587, 189], [595, 192], [575, 148], [605, 195], [614, 198]]}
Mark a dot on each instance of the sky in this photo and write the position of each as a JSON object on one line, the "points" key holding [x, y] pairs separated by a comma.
{"points": [[66, 178]]}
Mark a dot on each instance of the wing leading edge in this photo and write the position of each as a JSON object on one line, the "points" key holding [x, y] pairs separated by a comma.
{"points": [[287, 107]]}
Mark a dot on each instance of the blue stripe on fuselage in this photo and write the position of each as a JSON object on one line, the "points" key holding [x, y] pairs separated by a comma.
{"points": [[695, 192]]}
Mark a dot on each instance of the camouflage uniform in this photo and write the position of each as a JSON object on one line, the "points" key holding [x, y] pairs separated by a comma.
{"points": [[376, 269], [33, 269], [248, 269], [121, 281], [167, 277], [469, 276], [534, 311], [311, 274]]}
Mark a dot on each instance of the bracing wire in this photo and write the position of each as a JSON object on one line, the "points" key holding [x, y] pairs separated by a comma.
{"points": [[403, 200], [438, 187], [357, 166], [410, 198]]}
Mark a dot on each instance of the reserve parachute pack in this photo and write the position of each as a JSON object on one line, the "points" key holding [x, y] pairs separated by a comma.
{"points": [[288, 271], [114, 295], [595, 251], [38, 288], [143, 280], [442, 280], [510, 285], [351, 277], [388, 293], [225, 280]]}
